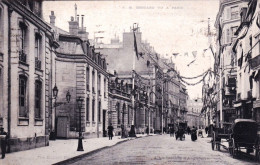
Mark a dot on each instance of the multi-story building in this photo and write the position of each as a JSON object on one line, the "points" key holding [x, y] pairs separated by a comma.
{"points": [[247, 49], [27, 46], [120, 56], [80, 71], [183, 97], [175, 95], [194, 116], [120, 106], [227, 23]]}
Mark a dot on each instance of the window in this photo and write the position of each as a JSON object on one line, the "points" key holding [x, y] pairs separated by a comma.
{"points": [[87, 78], [233, 30], [37, 51], [87, 109], [128, 114], [234, 12], [99, 111], [105, 87], [38, 94], [22, 39], [228, 36], [99, 84], [93, 81], [93, 110], [22, 96], [118, 113]]}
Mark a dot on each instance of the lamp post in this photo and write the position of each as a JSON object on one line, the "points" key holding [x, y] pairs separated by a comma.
{"points": [[79, 103]]}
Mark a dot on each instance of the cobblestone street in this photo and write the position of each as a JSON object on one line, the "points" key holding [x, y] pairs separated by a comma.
{"points": [[163, 149]]}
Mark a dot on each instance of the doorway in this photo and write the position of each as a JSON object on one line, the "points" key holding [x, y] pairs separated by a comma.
{"points": [[62, 127], [104, 123]]}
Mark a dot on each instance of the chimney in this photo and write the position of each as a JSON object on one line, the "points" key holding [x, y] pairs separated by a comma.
{"points": [[52, 18]]}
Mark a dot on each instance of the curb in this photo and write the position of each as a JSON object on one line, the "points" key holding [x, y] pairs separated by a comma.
{"points": [[73, 159]]}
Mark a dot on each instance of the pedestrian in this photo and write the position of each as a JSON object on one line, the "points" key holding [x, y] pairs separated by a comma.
{"points": [[110, 129], [206, 129], [188, 130], [172, 131], [3, 136]]}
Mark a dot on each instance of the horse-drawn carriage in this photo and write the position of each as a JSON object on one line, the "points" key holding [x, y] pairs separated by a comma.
{"points": [[180, 133], [241, 135]]}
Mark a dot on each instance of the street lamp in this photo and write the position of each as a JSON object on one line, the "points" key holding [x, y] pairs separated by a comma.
{"points": [[79, 103]]}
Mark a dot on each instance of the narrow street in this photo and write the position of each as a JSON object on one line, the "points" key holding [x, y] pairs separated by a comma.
{"points": [[162, 149]]}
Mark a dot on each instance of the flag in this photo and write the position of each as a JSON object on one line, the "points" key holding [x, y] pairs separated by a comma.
{"points": [[135, 45], [194, 53], [186, 54]]}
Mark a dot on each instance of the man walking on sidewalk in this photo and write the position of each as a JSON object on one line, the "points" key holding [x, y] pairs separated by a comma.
{"points": [[3, 137], [110, 131]]}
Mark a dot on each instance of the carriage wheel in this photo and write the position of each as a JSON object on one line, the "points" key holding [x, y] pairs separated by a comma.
{"points": [[257, 154], [213, 142], [230, 145], [234, 152]]}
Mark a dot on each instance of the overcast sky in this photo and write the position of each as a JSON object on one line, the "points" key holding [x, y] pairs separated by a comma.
{"points": [[170, 26]]}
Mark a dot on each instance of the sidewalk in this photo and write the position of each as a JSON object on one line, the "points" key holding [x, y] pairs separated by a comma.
{"points": [[60, 150]]}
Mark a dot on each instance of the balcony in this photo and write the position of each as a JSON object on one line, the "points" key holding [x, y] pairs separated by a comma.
{"points": [[22, 57], [254, 62], [38, 64]]}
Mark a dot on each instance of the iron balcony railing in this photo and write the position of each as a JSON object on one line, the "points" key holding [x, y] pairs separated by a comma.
{"points": [[22, 56], [38, 63]]}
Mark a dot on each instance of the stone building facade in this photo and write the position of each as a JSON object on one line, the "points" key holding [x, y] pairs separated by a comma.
{"points": [[120, 106], [227, 23], [26, 45], [81, 71]]}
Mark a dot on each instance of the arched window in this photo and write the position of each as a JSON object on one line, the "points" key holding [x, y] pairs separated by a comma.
{"points": [[87, 78]]}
